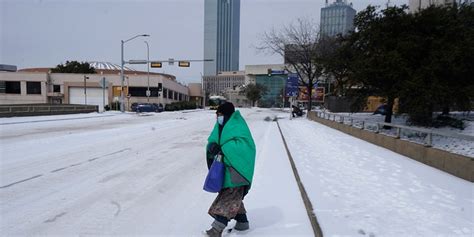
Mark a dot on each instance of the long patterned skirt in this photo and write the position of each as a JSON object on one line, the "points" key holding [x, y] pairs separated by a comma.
{"points": [[228, 203]]}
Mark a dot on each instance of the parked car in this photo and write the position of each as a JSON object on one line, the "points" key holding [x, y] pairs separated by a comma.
{"points": [[133, 107], [146, 107], [158, 107], [382, 109]]}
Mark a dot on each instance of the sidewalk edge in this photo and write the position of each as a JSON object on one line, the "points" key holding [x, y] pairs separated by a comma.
{"points": [[307, 203]]}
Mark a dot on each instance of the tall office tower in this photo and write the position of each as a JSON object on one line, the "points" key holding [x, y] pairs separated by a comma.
{"points": [[337, 18], [416, 5], [221, 36]]}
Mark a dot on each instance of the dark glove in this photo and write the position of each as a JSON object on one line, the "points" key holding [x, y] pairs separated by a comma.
{"points": [[213, 148]]}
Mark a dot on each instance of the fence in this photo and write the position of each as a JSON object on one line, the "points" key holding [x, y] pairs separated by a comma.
{"points": [[363, 125]]}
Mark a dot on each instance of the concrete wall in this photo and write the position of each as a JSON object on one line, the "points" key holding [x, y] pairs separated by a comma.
{"points": [[457, 165], [44, 109]]}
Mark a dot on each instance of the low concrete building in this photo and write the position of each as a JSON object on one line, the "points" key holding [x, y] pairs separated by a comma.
{"points": [[196, 94], [215, 85], [38, 85], [275, 82], [236, 96]]}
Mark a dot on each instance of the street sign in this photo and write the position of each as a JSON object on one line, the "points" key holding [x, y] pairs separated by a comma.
{"points": [[271, 72], [138, 62], [292, 85], [278, 72], [148, 93], [184, 64], [103, 83], [156, 64], [171, 61]]}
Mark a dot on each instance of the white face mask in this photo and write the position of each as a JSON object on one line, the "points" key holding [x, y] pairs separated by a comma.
{"points": [[220, 120]]}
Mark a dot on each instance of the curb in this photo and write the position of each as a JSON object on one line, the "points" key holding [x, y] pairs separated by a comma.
{"points": [[307, 203]]}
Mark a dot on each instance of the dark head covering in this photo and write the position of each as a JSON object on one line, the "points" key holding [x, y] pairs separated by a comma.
{"points": [[226, 109]]}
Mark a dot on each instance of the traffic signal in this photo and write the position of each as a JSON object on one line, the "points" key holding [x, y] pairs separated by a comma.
{"points": [[184, 64], [160, 86], [155, 64], [269, 72]]}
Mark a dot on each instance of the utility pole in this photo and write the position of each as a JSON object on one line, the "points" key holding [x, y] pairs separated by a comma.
{"points": [[85, 90], [148, 92]]}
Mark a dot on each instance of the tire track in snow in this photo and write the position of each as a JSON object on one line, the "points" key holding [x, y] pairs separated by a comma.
{"points": [[90, 160], [64, 168], [53, 120], [21, 181]]}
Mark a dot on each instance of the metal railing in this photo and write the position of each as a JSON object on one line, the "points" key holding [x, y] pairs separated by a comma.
{"points": [[377, 127]]}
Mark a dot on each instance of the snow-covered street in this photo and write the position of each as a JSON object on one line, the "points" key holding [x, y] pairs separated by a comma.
{"points": [[135, 175]]}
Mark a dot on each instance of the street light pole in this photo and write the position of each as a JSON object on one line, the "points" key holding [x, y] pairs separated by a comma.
{"points": [[122, 105], [85, 90], [148, 71]]}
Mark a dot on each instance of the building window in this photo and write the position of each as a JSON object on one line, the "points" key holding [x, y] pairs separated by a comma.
{"points": [[165, 93], [170, 94], [33, 87], [154, 91], [137, 91], [2, 86], [10, 87], [175, 96], [57, 88]]}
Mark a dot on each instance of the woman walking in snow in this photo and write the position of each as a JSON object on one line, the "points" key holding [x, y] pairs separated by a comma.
{"points": [[231, 138]]}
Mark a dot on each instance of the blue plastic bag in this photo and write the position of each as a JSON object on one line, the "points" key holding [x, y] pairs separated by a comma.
{"points": [[215, 177]]}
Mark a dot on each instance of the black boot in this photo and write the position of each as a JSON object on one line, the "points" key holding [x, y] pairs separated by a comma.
{"points": [[242, 222], [240, 226], [213, 232], [216, 230]]}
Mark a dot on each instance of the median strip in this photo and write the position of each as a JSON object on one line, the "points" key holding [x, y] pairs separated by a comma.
{"points": [[307, 203]]}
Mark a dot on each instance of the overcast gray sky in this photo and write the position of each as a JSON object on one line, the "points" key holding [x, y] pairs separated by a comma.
{"points": [[44, 33]]}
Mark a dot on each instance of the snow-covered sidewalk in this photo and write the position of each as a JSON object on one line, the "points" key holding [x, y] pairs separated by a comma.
{"points": [[359, 189]]}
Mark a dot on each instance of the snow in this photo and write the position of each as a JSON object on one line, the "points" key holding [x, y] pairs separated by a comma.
{"points": [[134, 175], [451, 144]]}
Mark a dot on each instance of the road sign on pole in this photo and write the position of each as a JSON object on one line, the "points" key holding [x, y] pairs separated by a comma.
{"points": [[103, 83], [292, 85], [137, 62]]}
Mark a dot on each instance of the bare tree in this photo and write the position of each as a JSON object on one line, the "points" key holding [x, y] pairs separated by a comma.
{"points": [[299, 44]]}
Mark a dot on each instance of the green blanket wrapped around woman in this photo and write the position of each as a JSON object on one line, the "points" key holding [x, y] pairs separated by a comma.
{"points": [[238, 150]]}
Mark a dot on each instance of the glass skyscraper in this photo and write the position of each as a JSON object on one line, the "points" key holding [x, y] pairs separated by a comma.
{"points": [[221, 36], [337, 18]]}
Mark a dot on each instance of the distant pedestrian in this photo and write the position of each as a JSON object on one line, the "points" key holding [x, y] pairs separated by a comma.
{"points": [[231, 138], [296, 111]]}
